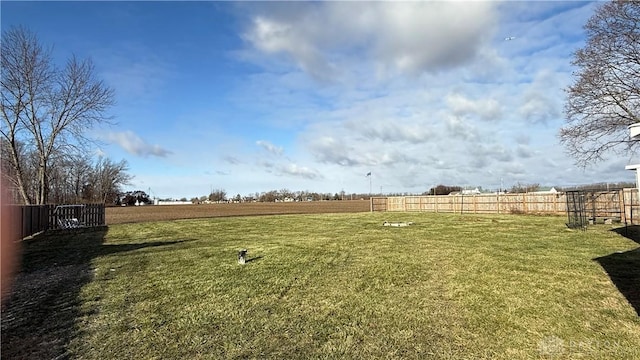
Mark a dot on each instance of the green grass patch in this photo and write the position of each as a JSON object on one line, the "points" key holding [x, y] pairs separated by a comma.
{"points": [[336, 286]]}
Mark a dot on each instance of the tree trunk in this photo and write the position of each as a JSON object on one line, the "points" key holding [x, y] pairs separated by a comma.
{"points": [[43, 183]]}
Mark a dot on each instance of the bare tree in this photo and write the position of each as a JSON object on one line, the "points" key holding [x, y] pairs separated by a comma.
{"points": [[78, 179], [443, 190], [107, 178], [45, 109], [218, 195], [60, 180], [285, 193], [605, 97], [524, 188], [79, 174]]}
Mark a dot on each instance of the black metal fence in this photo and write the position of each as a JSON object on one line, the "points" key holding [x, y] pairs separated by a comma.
{"points": [[576, 211], [38, 218]]}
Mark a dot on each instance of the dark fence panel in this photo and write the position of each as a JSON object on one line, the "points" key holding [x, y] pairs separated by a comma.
{"points": [[38, 218], [34, 219]]}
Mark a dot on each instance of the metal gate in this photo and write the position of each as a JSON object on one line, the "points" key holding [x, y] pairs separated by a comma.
{"points": [[576, 211]]}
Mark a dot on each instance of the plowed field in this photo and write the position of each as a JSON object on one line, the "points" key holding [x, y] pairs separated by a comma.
{"points": [[132, 214]]}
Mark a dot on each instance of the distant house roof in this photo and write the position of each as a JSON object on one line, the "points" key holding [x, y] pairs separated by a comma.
{"points": [[471, 192], [466, 192], [546, 191]]}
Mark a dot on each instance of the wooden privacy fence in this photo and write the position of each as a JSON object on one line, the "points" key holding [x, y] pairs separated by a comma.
{"points": [[38, 218], [623, 204]]}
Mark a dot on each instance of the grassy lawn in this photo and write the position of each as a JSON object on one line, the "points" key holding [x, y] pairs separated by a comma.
{"points": [[330, 286]]}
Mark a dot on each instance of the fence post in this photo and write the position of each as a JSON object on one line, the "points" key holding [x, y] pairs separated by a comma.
{"points": [[23, 222], [621, 203]]}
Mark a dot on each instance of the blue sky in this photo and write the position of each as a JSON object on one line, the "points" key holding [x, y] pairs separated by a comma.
{"points": [[254, 96]]}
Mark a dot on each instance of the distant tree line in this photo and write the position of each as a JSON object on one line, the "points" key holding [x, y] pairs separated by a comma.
{"points": [[216, 196], [136, 197], [88, 180], [599, 186], [220, 195], [602, 186], [443, 190], [282, 195], [70, 179], [524, 188]]}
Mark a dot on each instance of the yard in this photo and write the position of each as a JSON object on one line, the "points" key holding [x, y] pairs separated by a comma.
{"points": [[329, 286]]}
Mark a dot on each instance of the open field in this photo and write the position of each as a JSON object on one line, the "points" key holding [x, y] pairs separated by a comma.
{"points": [[330, 286], [129, 214]]}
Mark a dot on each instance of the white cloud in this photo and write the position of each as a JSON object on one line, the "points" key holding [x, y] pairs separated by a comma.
{"points": [[231, 160], [524, 151], [389, 130], [541, 100], [330, 150], [405, 37], [429, 36], [485, 109], [496, 152], [135, 145], [300, 171], [461, 129], [269, 147], [272, 36]]}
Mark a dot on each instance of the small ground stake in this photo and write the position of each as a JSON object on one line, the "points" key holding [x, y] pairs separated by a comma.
{"points": [[242, 256]]}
